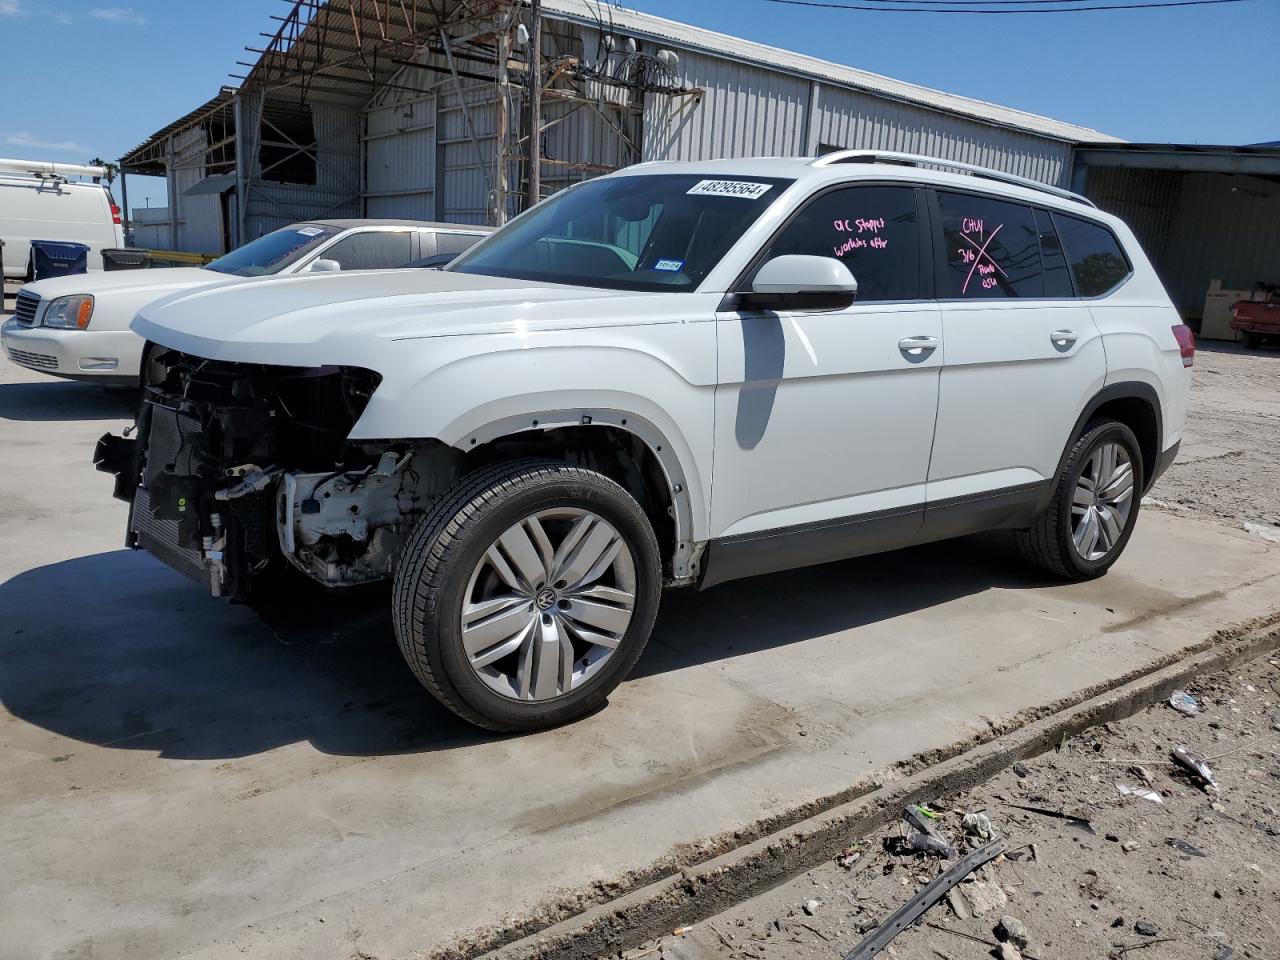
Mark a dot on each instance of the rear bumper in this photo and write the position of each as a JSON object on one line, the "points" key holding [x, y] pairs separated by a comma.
{"points": [[107, 355]]}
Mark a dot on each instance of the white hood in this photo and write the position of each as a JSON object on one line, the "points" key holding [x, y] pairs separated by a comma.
{"points": [[322, 319], [159, 279]]}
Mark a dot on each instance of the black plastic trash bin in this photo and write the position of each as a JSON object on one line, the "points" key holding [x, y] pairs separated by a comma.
{"points": [[57, 258], [125, 258]]}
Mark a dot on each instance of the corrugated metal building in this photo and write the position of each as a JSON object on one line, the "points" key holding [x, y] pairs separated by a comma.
{"points": [[416, 130], [362, 108]]}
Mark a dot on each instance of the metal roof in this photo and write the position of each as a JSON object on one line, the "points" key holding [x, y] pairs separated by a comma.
{"points": [[647, 26], [144, 159], [1259, 159]]}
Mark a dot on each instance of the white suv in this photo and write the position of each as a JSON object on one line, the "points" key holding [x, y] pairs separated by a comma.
{"points": [[678, 374]]}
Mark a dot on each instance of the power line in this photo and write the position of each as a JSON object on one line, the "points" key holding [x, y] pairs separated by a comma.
{"points": [[954, 7]]}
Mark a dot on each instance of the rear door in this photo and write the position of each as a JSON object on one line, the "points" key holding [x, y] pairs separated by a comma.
{"points": [[824, 418], [1023, 354]]}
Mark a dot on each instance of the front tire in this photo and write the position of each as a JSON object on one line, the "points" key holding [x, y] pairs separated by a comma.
{"points": [[527, 594], [1095, 505]]}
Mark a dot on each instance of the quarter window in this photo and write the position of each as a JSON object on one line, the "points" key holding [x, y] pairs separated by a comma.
{"points": [[992, 248], [874, 231], [1097, 261], [381, 250]]}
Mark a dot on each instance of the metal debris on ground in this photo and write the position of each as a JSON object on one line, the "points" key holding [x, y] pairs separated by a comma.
{"points": [[914, 908], [917, 841], [1083, 823], [1190, 849], [1143, 792], [1184, 702], [1196, 766]]}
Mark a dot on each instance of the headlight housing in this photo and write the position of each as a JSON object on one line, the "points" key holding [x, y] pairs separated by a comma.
{"points": [[69, 313]]}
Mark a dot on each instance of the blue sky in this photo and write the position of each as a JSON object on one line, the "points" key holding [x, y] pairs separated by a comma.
{"points": [[117, 72]]}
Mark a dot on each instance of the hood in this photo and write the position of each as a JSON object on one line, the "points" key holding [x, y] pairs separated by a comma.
{"points": [[157, 279], [316, 319]]}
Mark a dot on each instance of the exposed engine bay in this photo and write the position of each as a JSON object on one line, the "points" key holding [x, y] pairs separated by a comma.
{"points": [[239, 469]]}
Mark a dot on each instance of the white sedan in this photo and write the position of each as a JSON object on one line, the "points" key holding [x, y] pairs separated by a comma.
{"points": [[77, 327]]}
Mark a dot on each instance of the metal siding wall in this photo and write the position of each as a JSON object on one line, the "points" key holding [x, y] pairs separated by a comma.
{"points": [[199, 217], [746, 112], [400, 158], [753, 111], [850, 119], [1225, 228], [337, 189], [466, 166]]}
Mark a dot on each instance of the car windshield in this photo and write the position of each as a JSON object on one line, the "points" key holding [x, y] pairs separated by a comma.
{"points": [[656, 232], [275, 251]]}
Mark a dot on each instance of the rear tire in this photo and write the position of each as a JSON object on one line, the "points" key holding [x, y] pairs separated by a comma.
{"points": [[1252, 341], [527, 594], [1089, 521]]}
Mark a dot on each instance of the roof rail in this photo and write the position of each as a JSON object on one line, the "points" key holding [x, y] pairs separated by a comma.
{"points": [[916, 160]]}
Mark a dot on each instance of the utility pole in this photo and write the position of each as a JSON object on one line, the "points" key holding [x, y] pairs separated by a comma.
{"points": [[535, 103]]}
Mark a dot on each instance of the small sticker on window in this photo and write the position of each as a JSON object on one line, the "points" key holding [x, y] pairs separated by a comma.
{"points": [[730, 188], [674, 266], [310, 231]]}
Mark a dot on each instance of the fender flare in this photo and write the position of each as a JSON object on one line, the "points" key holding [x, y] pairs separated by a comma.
{"points": [[685, 560], [1124, 390]]}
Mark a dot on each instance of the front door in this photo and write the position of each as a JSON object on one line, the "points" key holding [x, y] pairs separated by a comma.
{"points": [[824, 418]]}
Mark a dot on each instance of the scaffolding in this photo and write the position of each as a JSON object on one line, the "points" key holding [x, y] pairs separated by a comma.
{"points": [[358, 48], [526, 102]]}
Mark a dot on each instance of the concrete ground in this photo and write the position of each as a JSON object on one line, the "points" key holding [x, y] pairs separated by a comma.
{"points": [[180, 779]]}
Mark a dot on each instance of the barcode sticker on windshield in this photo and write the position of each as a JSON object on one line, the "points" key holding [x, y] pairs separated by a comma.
{"points": [[730, 188], [310, 231]]}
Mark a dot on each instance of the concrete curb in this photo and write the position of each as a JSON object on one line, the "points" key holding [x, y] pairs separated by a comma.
{"points": [[696, 893]]}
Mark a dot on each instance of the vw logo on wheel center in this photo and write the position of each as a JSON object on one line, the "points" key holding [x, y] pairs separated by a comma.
{"points": [[546, 599]]}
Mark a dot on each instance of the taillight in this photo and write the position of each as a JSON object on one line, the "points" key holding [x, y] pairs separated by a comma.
{"points": [[115, 213], [1186, 343]]}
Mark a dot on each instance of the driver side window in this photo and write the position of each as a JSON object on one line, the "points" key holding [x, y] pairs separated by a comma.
{"points": [[372, 250], [872, 230]]}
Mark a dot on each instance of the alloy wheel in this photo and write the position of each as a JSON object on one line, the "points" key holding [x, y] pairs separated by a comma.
{"points": [[1102, 501], [548, 604]]}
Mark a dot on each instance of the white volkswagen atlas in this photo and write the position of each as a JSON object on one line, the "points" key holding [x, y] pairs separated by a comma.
{"points": [[78, 327], [677, 374]]}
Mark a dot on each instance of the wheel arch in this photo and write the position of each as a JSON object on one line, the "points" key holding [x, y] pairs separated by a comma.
{"points": [[648, 463], [1135, 404]]}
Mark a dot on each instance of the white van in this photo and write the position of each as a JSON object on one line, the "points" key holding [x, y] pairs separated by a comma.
{"points": [[39, 202]]}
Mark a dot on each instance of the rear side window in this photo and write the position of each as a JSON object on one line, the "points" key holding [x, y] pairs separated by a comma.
{"points": [[874, 231], [456, 242], [1097, 261], [992, 248], [373, 250]]}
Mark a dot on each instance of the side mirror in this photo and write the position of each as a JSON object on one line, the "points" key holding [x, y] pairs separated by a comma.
{"points": [[801, 282], [324, 265]]}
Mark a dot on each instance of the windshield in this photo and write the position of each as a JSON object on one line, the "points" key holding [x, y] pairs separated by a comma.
{"points": [[663, 232], [273, 252]]}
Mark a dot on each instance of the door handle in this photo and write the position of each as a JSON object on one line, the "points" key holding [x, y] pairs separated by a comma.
{"points": [[918, 346], [1064, 338]]}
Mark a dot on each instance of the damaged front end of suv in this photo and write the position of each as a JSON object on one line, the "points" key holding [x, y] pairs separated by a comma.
{"points": [[238, 472]]}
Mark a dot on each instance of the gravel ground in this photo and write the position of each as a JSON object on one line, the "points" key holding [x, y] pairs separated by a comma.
{"points": [[1227, 467], [1117, 887]]}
